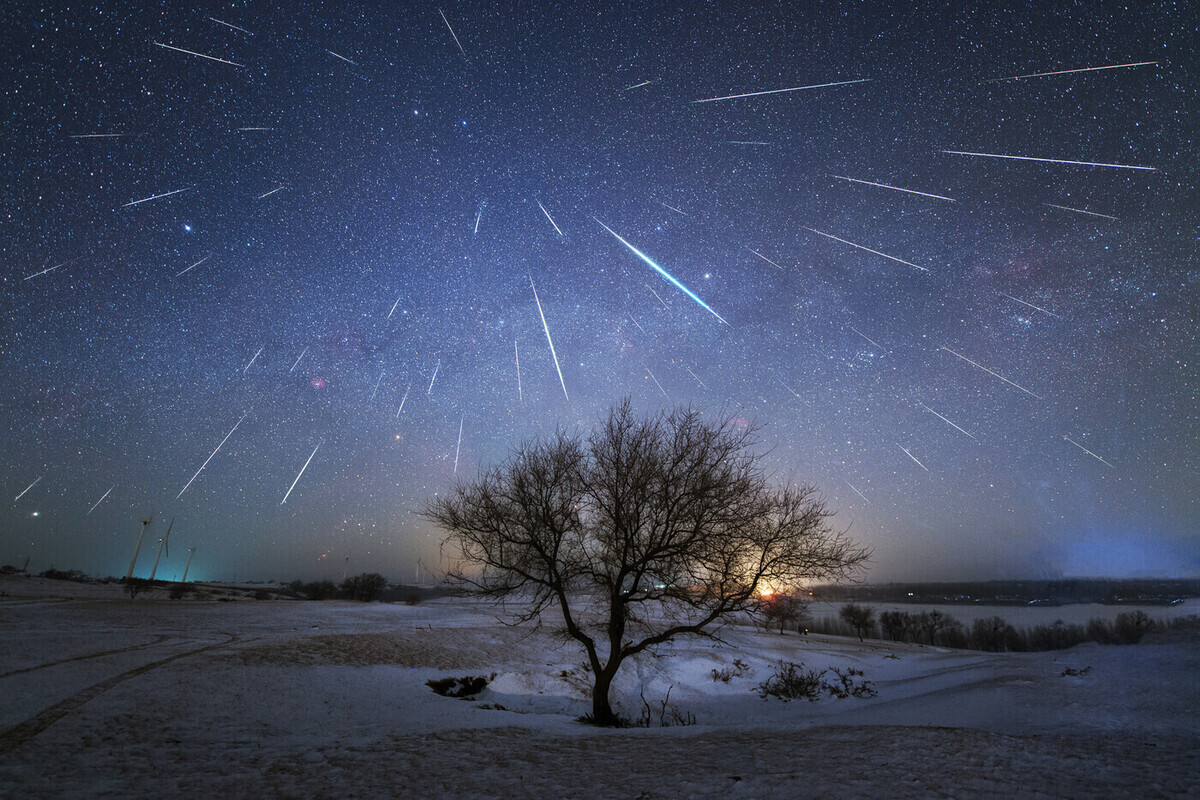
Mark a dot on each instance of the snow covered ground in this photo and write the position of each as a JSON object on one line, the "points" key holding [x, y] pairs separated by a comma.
{"points": [[108, 697]]}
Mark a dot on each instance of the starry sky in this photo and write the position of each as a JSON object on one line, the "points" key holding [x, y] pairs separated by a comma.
{"points": [[244, 241]]}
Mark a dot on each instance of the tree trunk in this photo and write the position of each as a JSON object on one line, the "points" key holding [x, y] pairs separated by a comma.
{"points": [[602, 713]]}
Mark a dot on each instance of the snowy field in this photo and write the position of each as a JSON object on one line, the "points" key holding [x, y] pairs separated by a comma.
{"points": [[108, 697]]}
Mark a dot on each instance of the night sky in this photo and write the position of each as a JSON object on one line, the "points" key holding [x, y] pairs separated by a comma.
{"points": [[266, 246]]}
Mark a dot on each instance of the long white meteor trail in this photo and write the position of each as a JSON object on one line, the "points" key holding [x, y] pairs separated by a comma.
{"points": [[193, 266], [452, 33], [546, 328], [293, 486], [252, 360], [910, 455], [343, 58], [780, 91], [673, 208], [101, 500], [1070, 71], [1031, 305], [1083, 211], [376, 389], [856, 491], [155, 197], [868, 338], [393, 311], [436, 367], [1049, 160], [458, 447], [27, 488], [670, 278], [988, 371], [478, 216], [1089, 452], [403, 400], [764, 258], [893, 188], [547, 213], [943, 419], [44, 272], [664, 302], [869, 250], [659, 385], [200, 55], [302, 352], [97, 135], [210, 458], [268, 194], [230, 25], [517, 355], [697, 377]]}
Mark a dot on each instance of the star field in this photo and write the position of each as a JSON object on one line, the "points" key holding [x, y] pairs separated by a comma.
{"points": [[297, 218]]}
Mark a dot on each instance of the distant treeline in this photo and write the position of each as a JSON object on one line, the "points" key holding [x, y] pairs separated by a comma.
{"points": [[1032, 592], [992, 634]]}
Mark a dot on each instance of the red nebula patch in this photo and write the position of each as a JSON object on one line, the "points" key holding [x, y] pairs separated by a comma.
{"points": [[317, 383]]}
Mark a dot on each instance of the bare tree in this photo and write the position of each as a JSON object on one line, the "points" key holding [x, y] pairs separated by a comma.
{"points": [[786, 608], [648, 529], [861, 618]]}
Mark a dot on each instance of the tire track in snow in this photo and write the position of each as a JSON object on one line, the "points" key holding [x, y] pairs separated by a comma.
{"points": [[161, 638], [18, 735]]}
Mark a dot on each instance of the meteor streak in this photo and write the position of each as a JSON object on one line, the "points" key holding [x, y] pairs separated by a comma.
{"points": [[434, 378], [1089, 452], [193, 266], [637, 85], [456, 41], [988, 371], [943, 419], [228, 25], [869, 250], [868, 338], [659, 385], [478, 216], [293, 486], [661, 271], [910, 455], [256, 129], [517, 354], [638, 324], [268, 194], [1031, 305], [1049, 160], [97, 135], [343, 58], [893, 188], [780, 91], [694, 375], [200, 55], [402, 401], [664, 302], [764, 258], [210, 458], [393, 311], [458, 447], [1082, 211], [1069, 71], [302, 352], [547, 213], [856, 491], [741, 141], [45, 271], [673, 208], [546, 328], [27, 488], [98, 502], [376, 389], [252, 360], [155, 197]]}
